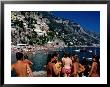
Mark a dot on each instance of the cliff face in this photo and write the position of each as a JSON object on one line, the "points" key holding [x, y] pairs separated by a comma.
{"points": [[41, 27]]}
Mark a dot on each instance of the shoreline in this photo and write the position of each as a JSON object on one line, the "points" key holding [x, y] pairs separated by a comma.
{"points": [[35, 49]]}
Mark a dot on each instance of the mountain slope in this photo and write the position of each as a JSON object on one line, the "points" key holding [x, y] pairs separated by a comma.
{"points": [[41, 27]]}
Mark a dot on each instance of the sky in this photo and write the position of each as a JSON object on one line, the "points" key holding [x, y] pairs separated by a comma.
{"points": [[89, 20]]}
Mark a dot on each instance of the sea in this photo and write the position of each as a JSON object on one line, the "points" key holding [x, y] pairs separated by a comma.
{"points": [[41, 58]]}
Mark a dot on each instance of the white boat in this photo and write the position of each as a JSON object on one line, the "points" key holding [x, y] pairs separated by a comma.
{"points": [[89, 59], [90, 51], [77, 50]]}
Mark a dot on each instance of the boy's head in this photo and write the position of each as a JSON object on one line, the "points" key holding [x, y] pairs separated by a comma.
{"points": [[19, 56]]}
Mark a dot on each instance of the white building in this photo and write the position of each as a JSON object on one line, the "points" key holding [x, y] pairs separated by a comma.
{"points": [[39, 31], [56, 43]]}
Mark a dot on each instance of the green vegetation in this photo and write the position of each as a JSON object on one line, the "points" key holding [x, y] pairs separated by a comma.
{"points": [[70, 32]]}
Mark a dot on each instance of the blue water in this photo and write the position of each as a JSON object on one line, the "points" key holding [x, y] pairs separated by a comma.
{"points": [[41, 58]]}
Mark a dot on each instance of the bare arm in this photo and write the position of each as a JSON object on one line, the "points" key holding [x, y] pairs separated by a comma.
{"points": [[55, 70], [30, 63], [12, 66], [29, 71], [75, 70], [91, 69], [81, 68], [71, 63]]}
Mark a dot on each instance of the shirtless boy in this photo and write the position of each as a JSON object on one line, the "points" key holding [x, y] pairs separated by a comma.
{"points": [[20, 66]]}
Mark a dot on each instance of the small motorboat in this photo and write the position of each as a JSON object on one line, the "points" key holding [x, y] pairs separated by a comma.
{"points": [[89, 59], [90, 51], [77, 50]]}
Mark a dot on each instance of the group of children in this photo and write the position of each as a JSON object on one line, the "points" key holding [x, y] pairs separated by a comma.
{"points": [[69, 66]]}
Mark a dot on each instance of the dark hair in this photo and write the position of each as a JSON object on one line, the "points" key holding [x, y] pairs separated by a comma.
{"points": [[54, 61], [94, 56], [75, 59], [65, 55], [25, 56], [84, 61], [72, 55], [55, 54], [19, 55]]}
